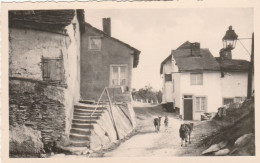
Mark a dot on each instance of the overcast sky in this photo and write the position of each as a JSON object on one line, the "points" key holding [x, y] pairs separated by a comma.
{"points": [[155, 32]]}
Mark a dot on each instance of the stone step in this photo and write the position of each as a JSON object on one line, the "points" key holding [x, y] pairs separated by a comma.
{"points": [[80, 131], [88, 107], [81, 126], [76, 137], [87, 111], [83, 121], [86, 117], [86, 114], [80, 143]]}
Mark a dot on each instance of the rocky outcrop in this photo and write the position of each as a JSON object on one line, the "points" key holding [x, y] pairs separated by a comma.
{"points": [[214, 148], [29, 106], [25, 141], [237, 131]]}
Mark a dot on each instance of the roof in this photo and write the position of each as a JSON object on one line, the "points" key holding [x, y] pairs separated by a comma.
{"points": [[185, 45], [186, 62], [238, 65], [136, 52], [164, 61], [45, 20]]}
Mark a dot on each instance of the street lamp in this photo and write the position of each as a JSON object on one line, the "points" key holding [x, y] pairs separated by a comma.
{"points": [[230, 39], [229, 43]]}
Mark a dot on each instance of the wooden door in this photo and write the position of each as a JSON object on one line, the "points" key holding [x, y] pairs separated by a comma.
{"points": [[188, 113]]}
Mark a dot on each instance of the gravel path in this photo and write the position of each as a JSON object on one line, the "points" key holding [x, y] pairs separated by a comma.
{"points": [[149, 143]]}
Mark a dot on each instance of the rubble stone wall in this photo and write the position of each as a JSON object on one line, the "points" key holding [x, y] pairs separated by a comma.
{"points": [[30, 105]]}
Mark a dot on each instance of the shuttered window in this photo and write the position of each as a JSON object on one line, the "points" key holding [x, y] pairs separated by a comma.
{"points": [[53, 69]]}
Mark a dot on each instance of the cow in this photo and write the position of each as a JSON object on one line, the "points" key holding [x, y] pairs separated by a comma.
{"points": [[157, 124], [185, 132]]}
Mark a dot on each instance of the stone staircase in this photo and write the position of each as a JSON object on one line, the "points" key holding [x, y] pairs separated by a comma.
{"points": [[83, 124]]}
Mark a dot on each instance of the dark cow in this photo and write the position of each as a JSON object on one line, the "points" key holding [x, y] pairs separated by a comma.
{"points": [[157, 124], [185, 132]]}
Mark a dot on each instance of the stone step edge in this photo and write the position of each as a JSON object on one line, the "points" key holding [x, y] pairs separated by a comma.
{"points": [[83, 136], [91, 111]]}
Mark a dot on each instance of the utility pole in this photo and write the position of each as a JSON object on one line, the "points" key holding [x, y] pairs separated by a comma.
{"points": [[251, 70]]}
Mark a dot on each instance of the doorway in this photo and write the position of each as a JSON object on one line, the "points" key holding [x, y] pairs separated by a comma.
{"points": [[188, 110]]}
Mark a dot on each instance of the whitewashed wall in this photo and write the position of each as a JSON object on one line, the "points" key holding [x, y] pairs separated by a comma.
{"points": [[167, 86], [234, 84], [211, 89]]}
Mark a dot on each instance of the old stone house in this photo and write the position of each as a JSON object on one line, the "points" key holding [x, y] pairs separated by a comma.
{"points": [[196, 82], [57, 61], [44, 57], [105, 62]]}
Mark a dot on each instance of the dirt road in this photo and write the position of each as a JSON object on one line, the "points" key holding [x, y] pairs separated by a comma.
{"points": [[149, 143]]}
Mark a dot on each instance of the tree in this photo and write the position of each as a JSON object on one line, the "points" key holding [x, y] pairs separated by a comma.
{"points": [[147, 93]]}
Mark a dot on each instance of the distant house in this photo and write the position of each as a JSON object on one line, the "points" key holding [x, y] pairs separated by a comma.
{"points": [[196, 82], [105, 62]]}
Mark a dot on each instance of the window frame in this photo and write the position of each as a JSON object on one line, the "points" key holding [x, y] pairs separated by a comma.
{"points": [[169, 77], [46, 76], [119, 79], [230, 98], [192, 81], [89, 45], [205, 104]]}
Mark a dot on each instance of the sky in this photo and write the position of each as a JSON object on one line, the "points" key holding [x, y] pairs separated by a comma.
{"points": [[155, 32]]}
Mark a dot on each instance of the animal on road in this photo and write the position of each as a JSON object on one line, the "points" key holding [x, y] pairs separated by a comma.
{"points": [[185, 132], [157, 124], [166, 121]]}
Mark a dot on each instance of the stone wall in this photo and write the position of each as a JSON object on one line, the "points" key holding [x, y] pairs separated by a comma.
{"points": [[30, 105], [26, 49], [105, 133]]}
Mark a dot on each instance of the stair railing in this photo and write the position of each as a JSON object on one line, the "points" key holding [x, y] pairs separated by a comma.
{"points": [[110, 106]]}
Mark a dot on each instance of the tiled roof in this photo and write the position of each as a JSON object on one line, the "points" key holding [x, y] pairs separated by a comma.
{"points": [[164, 61], [233, 65], [186, 62], [136, 52], [45, 20]]}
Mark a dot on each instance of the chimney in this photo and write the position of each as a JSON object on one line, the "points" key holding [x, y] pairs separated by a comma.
{"points": [[195, 49], [225, 54], [107, 26]]}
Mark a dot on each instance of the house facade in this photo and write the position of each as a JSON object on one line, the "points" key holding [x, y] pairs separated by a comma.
{"points": [[105, 62], [200, 82], [43, 79], [57, 60]]}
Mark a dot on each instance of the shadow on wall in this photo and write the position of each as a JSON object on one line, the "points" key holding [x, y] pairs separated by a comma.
{"points": [[169, 108]]}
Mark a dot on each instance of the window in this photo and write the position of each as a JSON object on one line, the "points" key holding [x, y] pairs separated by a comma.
{"points": [[228, 101], [239, 99], [52, 69], [196, 78], [200, 103], [119, 76], [168, 77], [94, 43]]}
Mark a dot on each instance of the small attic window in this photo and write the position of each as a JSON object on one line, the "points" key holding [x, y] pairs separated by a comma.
{"points": [[94, 43]]}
